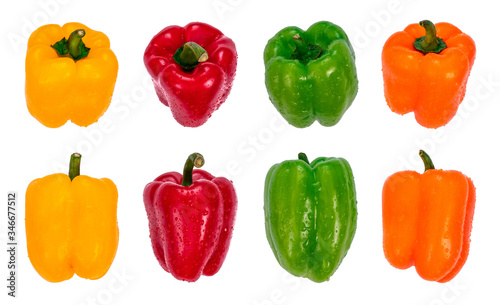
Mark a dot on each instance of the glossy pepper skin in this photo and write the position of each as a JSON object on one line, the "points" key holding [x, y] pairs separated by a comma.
{"points": [[311, 75], [429, 83], [191, 220], [427, 220], [76, 86], [71, 225], [310, 212], [199, 80]]}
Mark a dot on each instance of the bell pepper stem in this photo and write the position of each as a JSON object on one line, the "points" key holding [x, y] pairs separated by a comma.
{"points": [[305, 52], [429, 43], [74, 166], [73, 46], [426, 159], [190, 55], [303, 157], [74, 43], [194, 159], [430, 40], [300, 44]]}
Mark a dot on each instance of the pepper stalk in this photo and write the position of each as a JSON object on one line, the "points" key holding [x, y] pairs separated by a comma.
{"points": [[429, 43], [190, 55], [194, 160], [74, 166], [73, 46], [303, 157], [427, 160], [305, 52]]}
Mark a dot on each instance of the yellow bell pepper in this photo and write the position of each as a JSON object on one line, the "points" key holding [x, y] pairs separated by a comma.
{"points": [[71, 224], [64, 79]]}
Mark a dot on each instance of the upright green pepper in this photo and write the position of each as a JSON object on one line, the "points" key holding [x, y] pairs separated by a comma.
{"points": [[311, 75], [311, 215]]}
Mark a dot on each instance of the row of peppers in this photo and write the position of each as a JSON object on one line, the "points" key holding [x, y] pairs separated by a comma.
{"points": [[310, 75], [310, 219]]}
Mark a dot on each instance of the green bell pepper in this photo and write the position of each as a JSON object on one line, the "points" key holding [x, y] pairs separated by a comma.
{"points": [[311, 214], [311, 75]]}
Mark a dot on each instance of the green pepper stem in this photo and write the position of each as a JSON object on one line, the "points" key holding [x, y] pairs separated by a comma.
{"points": [[300, 44], [303, 157], [426, 159], [74, 43], [74, 166], [305, 52], [190, 55], [194, 159], [73, 46], [429, 43]]}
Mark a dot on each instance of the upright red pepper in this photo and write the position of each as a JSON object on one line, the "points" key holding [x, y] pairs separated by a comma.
{"points": [[193, 68], [191, 220]]}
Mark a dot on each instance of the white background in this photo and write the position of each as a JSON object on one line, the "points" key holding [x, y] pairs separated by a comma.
{"points": [[137, 139]]}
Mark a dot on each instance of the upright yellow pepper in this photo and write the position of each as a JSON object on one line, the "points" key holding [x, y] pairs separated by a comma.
{"points": [[71, 225], [65, 80]]}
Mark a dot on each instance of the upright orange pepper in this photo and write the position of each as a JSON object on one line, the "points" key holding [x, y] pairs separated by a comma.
{"points": [[425, 69], [71, 225], [427, 220]]}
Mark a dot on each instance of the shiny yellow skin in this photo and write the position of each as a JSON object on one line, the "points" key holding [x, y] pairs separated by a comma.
{"points": [[71, 226], [59, 89]]}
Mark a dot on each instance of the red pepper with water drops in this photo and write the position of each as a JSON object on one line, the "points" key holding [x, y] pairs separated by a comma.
{"points": [[193, 69], [191, 220]]}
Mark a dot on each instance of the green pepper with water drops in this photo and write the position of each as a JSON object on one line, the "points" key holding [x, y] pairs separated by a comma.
{"points": [[311, 75], [310, 215]]}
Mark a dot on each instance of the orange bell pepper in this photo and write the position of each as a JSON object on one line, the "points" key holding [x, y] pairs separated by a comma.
{"points": [[65, 80], [427, 220], [425, 70], [71, 225]]}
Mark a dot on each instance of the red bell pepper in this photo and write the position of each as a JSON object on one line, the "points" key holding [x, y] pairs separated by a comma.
{"points": [[191, 220], [193, 68]]}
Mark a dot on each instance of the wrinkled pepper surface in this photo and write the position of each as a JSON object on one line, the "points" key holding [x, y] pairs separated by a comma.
{"points": [[191, 220], [427, 220], [310, 215], [70, 74], [311, 75], [425, 69], [193, 69], [71, 225]]}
